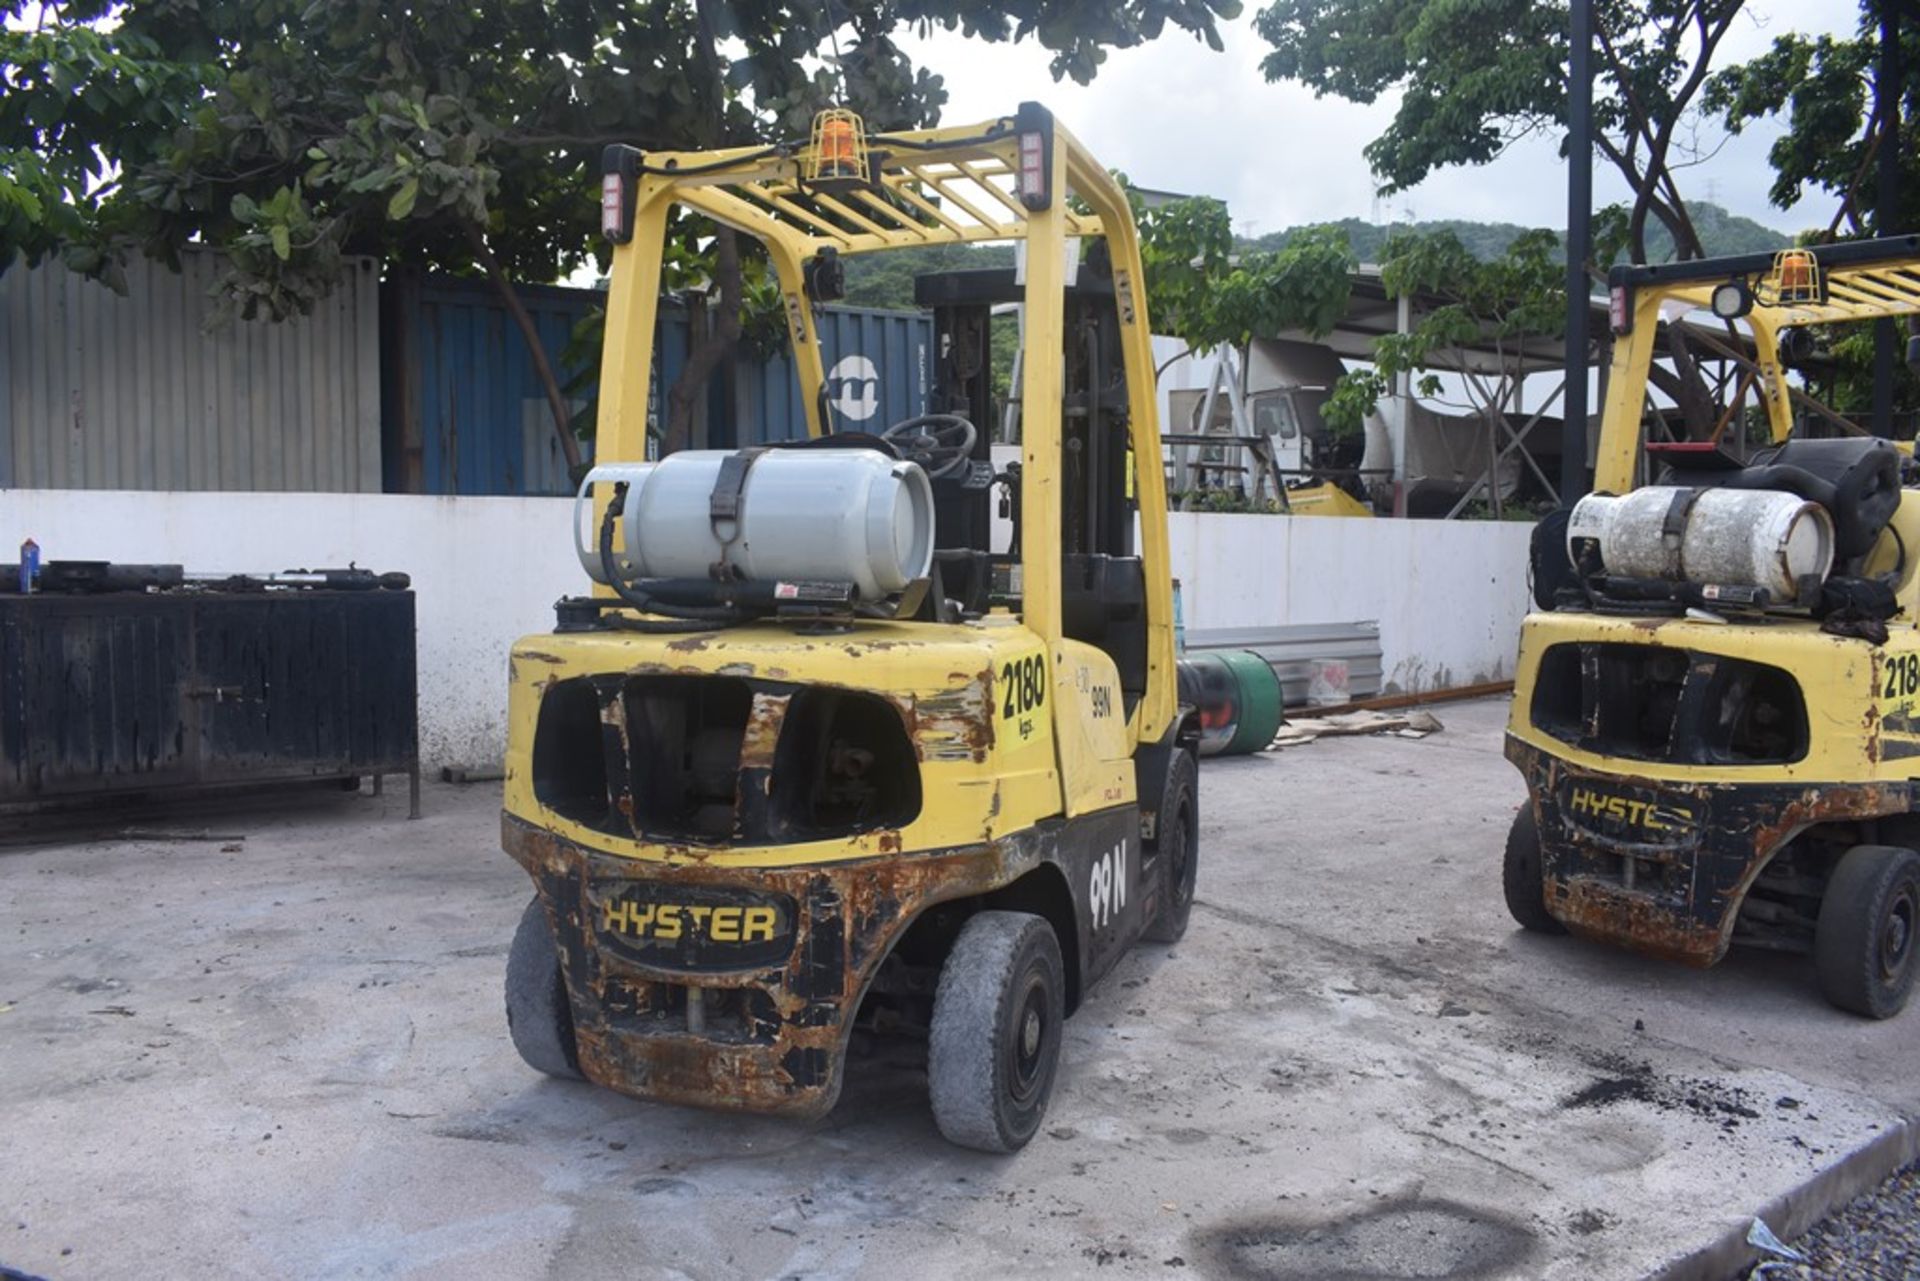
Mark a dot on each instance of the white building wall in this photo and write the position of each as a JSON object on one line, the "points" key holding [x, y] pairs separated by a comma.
{"points": [[1448, 595]]}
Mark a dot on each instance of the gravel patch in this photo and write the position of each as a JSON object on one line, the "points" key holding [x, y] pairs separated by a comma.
{"points": [[1875, 1237]]}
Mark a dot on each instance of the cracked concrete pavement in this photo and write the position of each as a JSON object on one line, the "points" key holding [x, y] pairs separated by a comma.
{"points": [[291, 1060]]}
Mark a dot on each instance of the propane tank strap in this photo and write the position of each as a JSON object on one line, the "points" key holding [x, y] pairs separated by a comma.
{"points": [[726, 500], [730, 485], [1673, 528]]}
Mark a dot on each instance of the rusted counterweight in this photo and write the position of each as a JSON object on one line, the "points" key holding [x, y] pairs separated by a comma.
{"points": [[1662, 867], [666, 1024]]}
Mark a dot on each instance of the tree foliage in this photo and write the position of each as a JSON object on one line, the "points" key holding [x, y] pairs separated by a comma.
{"points": [[78, 102], [1500, 304], [1201, 289], [1825, 93], [1721, 232], [886, 279], [440, 134], [1477, 75], [1823, 90]]}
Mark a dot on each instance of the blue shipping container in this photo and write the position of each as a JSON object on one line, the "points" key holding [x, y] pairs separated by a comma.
{"points": [[462, 409], [878, 363], [463, 412]]}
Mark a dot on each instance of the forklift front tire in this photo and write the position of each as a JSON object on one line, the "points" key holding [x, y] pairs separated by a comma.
{"points": [[1177, 840], [1523, 876], [995, 1040], [538, 1015], [1863, 944]]}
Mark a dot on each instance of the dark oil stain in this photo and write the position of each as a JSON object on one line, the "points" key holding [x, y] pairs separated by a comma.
{"points": [[1402, 1240], [662, 1185], [1624, 1080], [1589, 1221], [481, 1132]]}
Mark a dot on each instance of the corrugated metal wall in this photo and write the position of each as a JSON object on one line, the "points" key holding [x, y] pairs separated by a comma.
{"points": [[109, 392], [423, 385], [879, 365]]}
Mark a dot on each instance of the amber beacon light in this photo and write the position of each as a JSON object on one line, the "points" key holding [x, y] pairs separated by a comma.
{"points": [[837, 160]]}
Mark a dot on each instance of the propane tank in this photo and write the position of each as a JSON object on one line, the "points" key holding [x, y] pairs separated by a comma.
{"points": [[1728, 537], [822, 515]]}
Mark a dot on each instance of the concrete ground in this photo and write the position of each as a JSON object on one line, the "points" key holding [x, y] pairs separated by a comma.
{"points": [[290, 1059]]}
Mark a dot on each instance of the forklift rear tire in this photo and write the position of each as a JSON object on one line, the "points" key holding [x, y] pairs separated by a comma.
{"points": [[995, 1040], [1864, 945], [538, 1015], [1523, 877], [1177, 839]]}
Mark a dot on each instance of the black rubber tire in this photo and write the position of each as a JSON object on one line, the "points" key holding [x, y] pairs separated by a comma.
{"points": [[1522, 879], [539, 1017], [998, 1016], [1177, 840], [1864, 943]]}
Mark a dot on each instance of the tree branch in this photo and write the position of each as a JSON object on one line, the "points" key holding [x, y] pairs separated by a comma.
{"points": [[542, 368], [710, 350]]}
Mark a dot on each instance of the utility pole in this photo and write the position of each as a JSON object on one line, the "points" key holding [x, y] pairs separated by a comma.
{"points": [[1887, 84], [1573, 432]]}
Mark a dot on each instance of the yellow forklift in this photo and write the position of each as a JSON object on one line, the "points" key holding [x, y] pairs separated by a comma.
{"points": [[815, 755], [1717, 702]]}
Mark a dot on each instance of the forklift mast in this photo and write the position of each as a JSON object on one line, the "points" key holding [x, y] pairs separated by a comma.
{"points": [[1097, 496], [1103, 586], [1089, 440]]}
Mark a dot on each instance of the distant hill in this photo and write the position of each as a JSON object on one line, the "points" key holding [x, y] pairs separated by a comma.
{"points": [[886, 280], [1721, 233]]}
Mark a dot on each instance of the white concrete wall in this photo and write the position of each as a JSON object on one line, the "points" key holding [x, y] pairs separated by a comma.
{"points": [[1448, 596]]}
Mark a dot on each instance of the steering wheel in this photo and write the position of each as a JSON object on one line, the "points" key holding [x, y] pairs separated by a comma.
{"points": [[941, 443]]}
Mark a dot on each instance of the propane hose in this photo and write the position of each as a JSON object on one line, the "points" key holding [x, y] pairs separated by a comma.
{"points": [[673, 618]]}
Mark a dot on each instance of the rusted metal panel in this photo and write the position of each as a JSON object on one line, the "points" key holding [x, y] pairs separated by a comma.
{"points": [[1663, 867], [136, 392], [133, 691]]}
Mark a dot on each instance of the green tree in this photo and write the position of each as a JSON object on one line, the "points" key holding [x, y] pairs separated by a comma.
{"points": [[1475, 76], [1201, 290], [1825, 92], [289, 135], [466, 138], [77, 103], [1500, 306]]}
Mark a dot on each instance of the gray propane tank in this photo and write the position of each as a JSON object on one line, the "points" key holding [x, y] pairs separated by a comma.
{"points": [[1729, 537], [822, 515]]}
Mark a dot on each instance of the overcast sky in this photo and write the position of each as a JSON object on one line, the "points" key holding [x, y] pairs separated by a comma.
{"points": [[1176, 116]]}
